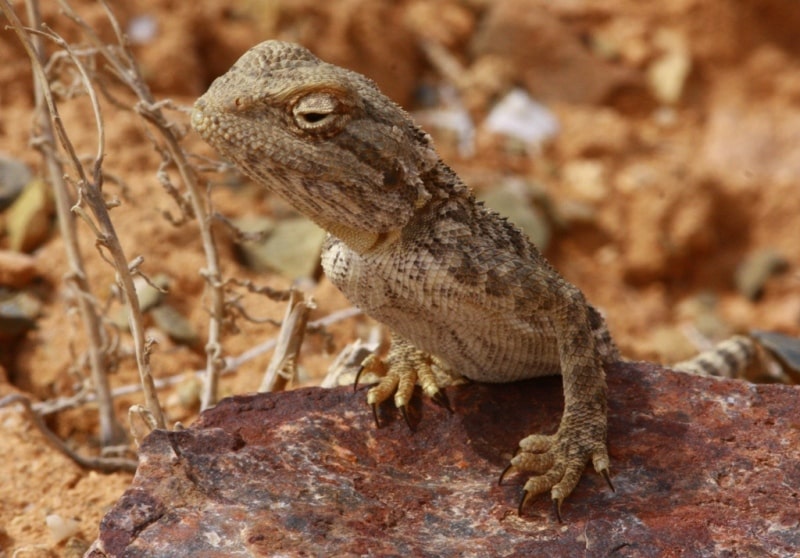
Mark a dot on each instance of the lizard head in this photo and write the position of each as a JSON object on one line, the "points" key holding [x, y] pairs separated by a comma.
{"points": [[323, 137]]}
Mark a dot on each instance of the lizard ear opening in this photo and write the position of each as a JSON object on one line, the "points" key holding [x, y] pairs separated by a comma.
{"points": [[320, 112]]}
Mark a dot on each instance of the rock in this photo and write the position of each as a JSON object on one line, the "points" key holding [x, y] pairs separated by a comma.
{"points": [[753, 121], [708, 466], [29, 218], [511, 202], [663, 222], [753, 273], [61, 528], [291, 247], [547, 54], [667, 74], [149, 294], [372, 38], [14, 175], [179, 328], [17, 270], [586, 180], [142, 29], [592, 132], [518, 116], [449, 23], [19, 311]]}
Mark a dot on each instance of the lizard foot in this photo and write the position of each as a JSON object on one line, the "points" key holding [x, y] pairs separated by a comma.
{"points": [[404, 367], [558, 462]]}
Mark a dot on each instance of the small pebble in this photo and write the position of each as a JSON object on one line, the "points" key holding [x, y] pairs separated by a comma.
{"points": [[16, 269], [18, 313], [292, 249], [756, 269], [14, 175], [175, 324], [61, 528], [517, 115], [29, 219]]}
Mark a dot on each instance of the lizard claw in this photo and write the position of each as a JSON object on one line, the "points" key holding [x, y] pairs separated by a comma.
{"points": [[607, 476], [375, 414], [556, 505], [404, 411], [522, 502], [371, 364], [557, 508], [358, 375], [440, 398], [504, 473]]}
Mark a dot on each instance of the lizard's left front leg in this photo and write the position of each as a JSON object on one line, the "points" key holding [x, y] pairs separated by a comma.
{"points": [[560, 459]]}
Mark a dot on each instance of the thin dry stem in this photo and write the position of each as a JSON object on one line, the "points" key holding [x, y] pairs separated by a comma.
{"points": [[283, 365], [91, 192], [103, 464], [49, 124], [127, 69], [351, 357]]}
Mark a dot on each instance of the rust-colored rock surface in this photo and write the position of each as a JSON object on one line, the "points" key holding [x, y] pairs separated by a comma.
{"points": [[701, 467]]}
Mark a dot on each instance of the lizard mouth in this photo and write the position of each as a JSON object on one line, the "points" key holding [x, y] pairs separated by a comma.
{"points": [[200, 120]]}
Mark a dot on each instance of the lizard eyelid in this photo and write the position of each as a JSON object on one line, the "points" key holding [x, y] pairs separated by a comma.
{"points": [[319, 111]]}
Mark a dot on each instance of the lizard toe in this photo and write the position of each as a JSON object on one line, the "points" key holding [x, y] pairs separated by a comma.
{"points": [[528, 462], [538, 443]]}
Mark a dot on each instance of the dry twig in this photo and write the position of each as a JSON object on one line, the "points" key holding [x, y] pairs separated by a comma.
{"points": [[127, 70], [50, 125], [283, 365]]}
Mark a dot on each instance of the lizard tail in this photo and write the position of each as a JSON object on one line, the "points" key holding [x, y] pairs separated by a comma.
{"points": [[728, 359]]}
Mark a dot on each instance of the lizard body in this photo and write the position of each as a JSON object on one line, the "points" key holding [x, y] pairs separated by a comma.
{"points": [[463, 290]]}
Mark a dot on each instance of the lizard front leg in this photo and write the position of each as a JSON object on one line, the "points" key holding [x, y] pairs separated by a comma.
{"points": [[404, 367], [559, 460]]}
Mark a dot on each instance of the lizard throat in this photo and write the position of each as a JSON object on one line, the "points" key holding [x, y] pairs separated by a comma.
{"points": [[361, 241]]}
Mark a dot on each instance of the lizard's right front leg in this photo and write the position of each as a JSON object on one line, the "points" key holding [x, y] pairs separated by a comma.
{"points": [[404, 367]]}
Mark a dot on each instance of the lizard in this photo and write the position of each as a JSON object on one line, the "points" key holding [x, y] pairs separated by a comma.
{"points": [[464, 292]]}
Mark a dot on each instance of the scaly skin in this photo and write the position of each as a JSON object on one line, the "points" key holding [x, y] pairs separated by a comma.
{"points": [[462, 289]]}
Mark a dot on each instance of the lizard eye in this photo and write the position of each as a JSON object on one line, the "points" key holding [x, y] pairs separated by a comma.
{"points": [[320, 112]]}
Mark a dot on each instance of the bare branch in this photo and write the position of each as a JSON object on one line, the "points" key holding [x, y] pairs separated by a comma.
{"points": [[283, 365], [125, 66], [49, 124]]}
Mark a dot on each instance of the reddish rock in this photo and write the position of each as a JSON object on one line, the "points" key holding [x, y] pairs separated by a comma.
{"points": [[547, 54], [701, 467], [17, 270]]}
